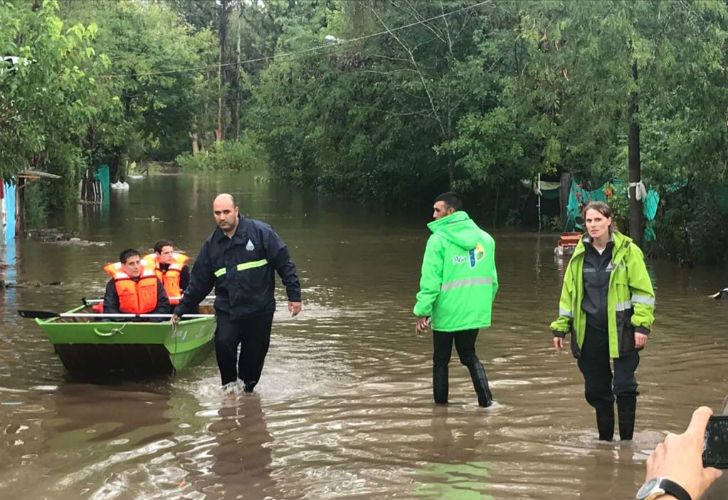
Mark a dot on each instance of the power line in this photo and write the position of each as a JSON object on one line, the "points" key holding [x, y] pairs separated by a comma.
{"points": [[304, 51]]}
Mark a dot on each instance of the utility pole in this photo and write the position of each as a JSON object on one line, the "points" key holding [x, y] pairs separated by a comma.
{"points": [[636, 222]]}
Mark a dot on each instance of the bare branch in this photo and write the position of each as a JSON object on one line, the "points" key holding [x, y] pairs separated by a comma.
{"points": [[422, 112], [394, 71], [389, 58], [447, 30], [416, 67], [422, 19]]}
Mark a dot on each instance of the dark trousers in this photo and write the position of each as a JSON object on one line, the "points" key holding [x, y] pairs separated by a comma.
{"points": [[465, 346], [253, 336], [600, 385]]}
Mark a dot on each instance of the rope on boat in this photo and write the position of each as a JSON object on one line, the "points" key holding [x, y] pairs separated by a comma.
{"points": [[112, 332]]}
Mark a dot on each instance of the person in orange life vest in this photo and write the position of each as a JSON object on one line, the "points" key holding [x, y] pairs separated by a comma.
{"points": [[134, 289], [171, 268]]}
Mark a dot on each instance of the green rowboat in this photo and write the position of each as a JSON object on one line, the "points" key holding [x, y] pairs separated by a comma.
{"points": [[87, 346]]}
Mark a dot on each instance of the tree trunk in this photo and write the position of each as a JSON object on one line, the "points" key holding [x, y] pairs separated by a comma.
{"points": [[496, 205], [20, 206], [195, 143], [635, 174], [564, 196], [222, 32], [238, 79], [451, 172]]}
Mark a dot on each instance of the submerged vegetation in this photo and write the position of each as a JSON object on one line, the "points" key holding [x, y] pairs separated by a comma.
{"points": [[379, 99]]}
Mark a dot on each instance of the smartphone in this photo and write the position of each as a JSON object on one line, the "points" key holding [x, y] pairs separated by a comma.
{"points": [[715, 450]]}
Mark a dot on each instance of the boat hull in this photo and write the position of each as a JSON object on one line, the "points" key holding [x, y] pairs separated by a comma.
{"points": [[132, 348]]}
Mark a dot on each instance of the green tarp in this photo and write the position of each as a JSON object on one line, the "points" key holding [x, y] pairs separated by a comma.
{"points": [[578, 197]]}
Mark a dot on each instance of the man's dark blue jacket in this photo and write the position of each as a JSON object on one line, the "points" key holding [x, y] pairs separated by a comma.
{"points": [[241, 270]]}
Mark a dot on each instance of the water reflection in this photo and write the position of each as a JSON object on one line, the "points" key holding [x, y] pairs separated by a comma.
{"points": [[8, 259], [82, 416], [609, 471], [109, 437], [241, 451], [74, 439], [8, 273], [456, 466]]}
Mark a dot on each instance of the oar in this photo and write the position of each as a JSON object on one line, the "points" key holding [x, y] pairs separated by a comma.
{"points": [[49, 314]]}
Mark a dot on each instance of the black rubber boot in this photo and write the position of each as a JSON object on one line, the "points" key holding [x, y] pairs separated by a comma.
{"points": [[440, 385], [605, 423], [480, 383], [626, 409]]}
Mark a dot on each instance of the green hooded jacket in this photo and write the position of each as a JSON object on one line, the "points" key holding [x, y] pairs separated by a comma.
{"points": [[630, 298], [459, 280]]}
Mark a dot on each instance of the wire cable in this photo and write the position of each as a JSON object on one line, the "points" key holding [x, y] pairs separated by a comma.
{"points": [[304, 51]]}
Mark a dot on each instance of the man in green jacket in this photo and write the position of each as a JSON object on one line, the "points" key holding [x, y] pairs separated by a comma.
{"points": [[457, 288]]}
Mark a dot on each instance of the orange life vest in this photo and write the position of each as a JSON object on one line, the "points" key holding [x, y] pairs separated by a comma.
{"points": [[135, 297], [170, 277]]}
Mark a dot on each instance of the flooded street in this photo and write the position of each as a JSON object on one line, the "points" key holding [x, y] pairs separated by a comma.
{"points": [[344, 408]]}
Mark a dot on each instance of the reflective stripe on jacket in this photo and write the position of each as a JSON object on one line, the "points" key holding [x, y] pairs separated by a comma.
{"points": [[171, 277], [242, 270], [459, 280], [630, 298], [135, 297]]}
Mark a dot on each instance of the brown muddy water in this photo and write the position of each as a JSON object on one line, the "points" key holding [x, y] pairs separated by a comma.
{"points": [[344, 408]]}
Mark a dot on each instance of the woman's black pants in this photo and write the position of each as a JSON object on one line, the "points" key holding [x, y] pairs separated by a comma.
{"points": [[600, 384], [252, 334]]}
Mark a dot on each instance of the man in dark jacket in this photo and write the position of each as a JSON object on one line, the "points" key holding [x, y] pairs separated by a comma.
{"points": [[238, 259]]}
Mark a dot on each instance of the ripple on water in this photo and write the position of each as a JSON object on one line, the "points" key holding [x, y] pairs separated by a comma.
{"points": [[344, 406]]}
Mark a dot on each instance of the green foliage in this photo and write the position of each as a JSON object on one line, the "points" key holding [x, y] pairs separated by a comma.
{"points": [[553, 224], [148, 101], [619, 202], [363, 120], [689, 227], [35, 208], [42, 97], [411, 99], [245, 154], [94, 87]]}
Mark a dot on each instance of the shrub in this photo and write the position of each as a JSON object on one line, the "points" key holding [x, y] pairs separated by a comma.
{"points": [[245, 154]]}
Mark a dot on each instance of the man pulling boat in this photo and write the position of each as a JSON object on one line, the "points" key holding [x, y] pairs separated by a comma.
{"points": [[239, 259]]}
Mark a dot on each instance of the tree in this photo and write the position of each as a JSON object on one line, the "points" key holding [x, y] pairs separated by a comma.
{"points": [[154, 95], [591, 109], [43, 95]]}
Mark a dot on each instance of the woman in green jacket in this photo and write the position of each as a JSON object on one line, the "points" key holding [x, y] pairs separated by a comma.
{"points": [[607, 304]]}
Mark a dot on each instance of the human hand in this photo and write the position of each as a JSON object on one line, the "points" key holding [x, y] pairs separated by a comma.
{"points": [[422, 324], [680, 457], [640, 340], [174, 319], [294, 308], [558, 343]]}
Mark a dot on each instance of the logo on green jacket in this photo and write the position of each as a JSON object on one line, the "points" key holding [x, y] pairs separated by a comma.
{"points": [[473, 256]]}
